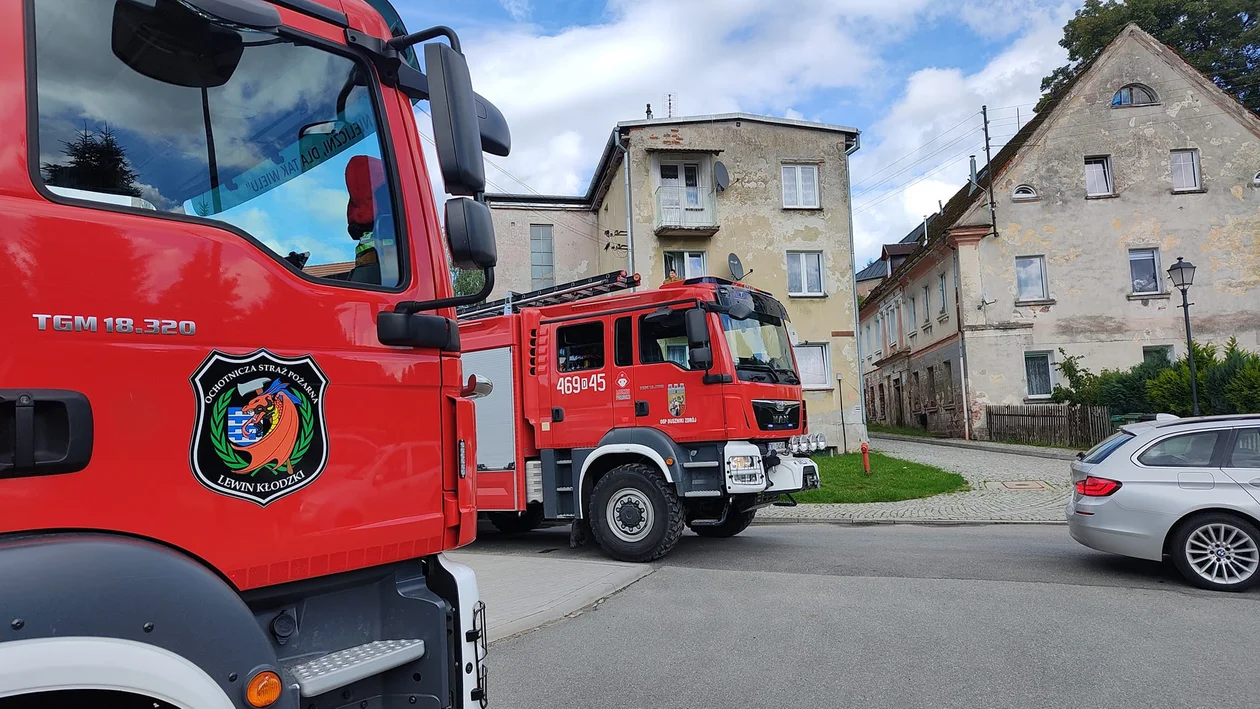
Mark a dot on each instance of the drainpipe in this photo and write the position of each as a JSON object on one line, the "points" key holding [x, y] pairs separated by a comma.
{"points": [[625, 163], [962, 346], [857, 325]]}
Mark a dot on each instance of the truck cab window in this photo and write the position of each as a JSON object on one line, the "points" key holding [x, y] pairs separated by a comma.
{"points": [[278, 139], [663, 339], [623, 344], [580, 347]]}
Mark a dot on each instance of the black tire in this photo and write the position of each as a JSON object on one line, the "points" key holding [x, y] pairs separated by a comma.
{"points": [[518, 522], [637, 494], [735, 523], [1196, 535]]}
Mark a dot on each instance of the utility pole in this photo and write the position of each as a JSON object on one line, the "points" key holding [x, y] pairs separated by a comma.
{"points": [[988, 167]]}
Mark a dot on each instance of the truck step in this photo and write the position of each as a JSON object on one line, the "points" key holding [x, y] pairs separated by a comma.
{"points": [[564, 461], [338, 669], [564, 489]]}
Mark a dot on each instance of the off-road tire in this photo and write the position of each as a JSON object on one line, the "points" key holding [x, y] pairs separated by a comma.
{"points": [[735, 523], [667, 517], [1185, 530], [518, 523]]}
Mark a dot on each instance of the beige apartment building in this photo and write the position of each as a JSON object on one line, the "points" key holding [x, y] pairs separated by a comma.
{"points": [[1140, 161], [772, 191]]}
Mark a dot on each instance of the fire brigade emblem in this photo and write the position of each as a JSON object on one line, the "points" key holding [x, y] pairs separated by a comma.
{"points": [[260, 432], [677, 399]]}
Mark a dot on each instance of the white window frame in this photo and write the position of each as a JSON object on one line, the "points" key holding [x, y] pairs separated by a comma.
{"points": [[1154, 252], [1169, 351], [686, 261], [822, 275], [1108, 176], [539, 283], [927, 305], [828, 381], [942, 286], [914, 315], [1024, 193], [1045, 281], [1196, 170], [796, 200], [1049, 357]]}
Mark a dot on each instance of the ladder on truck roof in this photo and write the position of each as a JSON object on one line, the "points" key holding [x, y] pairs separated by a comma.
{"points": [[552, 295]]}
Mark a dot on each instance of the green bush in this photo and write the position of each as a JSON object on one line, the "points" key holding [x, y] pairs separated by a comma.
{"points": [[1243, 392]]}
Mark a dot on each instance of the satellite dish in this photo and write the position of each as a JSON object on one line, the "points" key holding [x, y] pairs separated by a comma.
{"points": [[720, 176], [737, 266]]}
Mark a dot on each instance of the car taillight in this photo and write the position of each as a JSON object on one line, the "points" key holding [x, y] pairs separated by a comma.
{"points": [[1096, 487]]}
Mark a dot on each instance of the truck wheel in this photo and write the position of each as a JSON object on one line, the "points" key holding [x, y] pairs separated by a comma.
{"points": [[635, 514], [735, 523], [517, 522]]}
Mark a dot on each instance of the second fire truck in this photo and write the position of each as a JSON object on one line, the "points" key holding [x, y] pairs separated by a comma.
{"points": [[636, 414]]}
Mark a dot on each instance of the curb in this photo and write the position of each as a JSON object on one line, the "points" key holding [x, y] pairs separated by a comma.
{"points": [[926, 521], [978, 445]]}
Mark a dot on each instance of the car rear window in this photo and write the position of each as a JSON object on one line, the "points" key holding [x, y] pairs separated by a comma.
{"points": [[1099, 452], [1191, 450]]}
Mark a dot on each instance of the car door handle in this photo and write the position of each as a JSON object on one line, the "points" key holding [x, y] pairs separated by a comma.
{"points": [[557, 414], [640, 408], [52, 432]]}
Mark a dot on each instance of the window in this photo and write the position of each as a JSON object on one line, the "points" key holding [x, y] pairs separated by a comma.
{"points": [[1158, 353], [1189, 450], [948, 373], [941, 288], [804, 273], [1185, 170], [916, 392], [927, 305], [929, 401], [663, 339], [1098, 177], [1024, 193], [1030, 277], [1134, 95], [1246, 452], [293, 157], [815, 365], [914, 318], [1256, 180], [800, 186], [581, 347], [686, 264], [684, 193], [541, 257], [623, 343], [1037, 370], [1144, 270]]}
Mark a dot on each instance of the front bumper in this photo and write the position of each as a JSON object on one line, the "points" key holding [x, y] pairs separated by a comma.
{"points": [[471, 645], [793, 474], [789, 474]]}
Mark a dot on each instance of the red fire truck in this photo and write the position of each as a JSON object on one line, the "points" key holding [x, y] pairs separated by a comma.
{"points": [[635, 414], [235, 436]]}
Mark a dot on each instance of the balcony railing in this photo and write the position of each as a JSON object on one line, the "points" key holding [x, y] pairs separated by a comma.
{"points": [[686, 210]]}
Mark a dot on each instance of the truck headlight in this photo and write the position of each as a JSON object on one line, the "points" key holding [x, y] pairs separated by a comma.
{"points": [[741, 461], [820, 441], [745, 469]]}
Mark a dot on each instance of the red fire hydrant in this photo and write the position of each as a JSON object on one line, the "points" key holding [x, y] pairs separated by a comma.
{"points": [[866, 458]]}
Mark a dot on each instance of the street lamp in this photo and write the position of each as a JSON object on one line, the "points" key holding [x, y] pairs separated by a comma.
{"points": [[1182, 275]]}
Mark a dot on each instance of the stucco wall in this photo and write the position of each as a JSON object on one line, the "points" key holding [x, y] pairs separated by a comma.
{"points": [[754, 225], [573, 241], [1091, 310]]}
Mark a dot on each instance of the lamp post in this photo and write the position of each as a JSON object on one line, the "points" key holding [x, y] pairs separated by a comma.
{"points": [[1182, 275]]}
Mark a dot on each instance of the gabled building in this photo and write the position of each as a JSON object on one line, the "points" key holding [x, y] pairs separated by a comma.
{"points": [[1139, 161], [772, 191]]}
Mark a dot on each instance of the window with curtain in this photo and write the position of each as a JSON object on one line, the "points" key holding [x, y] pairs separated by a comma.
{"points": [[800, 186], [1037, 371], [941, 284], [1144, 270], [1098, 177], [814, 364], [1185, 170], [805, 273], [1030, 277], [541, 257]]}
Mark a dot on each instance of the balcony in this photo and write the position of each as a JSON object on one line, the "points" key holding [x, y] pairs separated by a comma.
{"points": [[686, 211]]}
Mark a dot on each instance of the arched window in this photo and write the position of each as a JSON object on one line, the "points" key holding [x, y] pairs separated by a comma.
{"points": [[1256, 181], [1024, 193], [1134, 95]]}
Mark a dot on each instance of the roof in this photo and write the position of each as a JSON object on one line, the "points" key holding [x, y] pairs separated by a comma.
{"points": [[877, 269], [611, 157], [900, 249]]}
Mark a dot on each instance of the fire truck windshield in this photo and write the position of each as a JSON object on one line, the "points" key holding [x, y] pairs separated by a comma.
{"points": [[760, 349]]}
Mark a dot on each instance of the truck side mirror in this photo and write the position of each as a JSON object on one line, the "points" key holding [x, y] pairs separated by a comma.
{"points": [[456, 128], [470, 234], [700, 356], [496, 138]]}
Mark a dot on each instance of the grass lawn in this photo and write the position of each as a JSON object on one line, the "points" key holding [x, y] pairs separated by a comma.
{"points": [[891, 479], [898, 430]]}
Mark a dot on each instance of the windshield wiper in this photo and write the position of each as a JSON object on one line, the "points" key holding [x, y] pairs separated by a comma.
{"points": [[759, 367], [792, 378]]}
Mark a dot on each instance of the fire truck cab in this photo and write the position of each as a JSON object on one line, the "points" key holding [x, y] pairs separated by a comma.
{"points": [[637, 413]]}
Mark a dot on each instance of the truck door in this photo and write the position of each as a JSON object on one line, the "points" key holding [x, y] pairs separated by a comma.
{"points": [[581, 390], [668, 394], [622, 374], [205, 266]]}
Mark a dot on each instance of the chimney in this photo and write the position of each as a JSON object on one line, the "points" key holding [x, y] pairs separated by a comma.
{"points": [[649, 111]]}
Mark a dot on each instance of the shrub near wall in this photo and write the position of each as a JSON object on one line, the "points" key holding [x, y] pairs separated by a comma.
{"points": [[1228, 382]]}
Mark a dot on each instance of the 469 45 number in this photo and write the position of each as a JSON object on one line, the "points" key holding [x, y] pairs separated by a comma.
{"points": [[578, 383]]}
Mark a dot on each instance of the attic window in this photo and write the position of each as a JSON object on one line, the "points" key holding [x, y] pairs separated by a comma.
{"points": [[1024, 193], [1256, 181], [1134, 95]]}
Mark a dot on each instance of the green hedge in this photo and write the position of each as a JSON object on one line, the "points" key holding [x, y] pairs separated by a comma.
{"points": [[1228, 382]]}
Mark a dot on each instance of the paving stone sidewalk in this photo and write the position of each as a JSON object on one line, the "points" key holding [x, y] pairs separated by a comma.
{"points": [[1006, 487]]}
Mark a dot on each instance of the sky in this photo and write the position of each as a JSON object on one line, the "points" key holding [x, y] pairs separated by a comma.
{"points": [[911, 75]]}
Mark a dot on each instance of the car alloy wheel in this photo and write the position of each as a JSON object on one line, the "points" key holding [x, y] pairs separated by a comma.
{"points": [[1221, 553]]}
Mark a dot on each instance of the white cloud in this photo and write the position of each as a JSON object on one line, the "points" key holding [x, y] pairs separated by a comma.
{"points": [[518, 9]]}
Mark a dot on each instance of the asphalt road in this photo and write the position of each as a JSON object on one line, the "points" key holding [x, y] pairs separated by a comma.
{"points": [[885, 616]]}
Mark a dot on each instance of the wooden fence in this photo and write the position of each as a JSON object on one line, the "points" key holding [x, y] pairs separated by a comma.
{"points": [[1049, 424]]}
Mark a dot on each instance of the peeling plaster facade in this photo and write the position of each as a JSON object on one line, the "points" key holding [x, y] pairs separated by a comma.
{"points": [[748, 218], [1091, 305]]}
